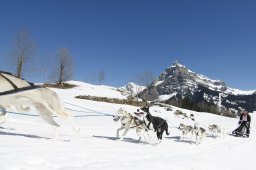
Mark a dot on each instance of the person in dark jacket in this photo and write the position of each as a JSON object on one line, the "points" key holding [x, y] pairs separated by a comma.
{"points": [[244, 122]]}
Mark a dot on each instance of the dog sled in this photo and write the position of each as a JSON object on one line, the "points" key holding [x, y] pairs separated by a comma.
{"points": [[240, 131], [9, 84]]}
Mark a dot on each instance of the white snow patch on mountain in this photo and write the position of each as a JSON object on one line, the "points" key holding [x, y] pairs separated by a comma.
{"points": [[157, 83], [239, 92], [131, 89], [166, 97]]}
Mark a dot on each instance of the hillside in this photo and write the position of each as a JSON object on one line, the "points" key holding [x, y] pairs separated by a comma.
{"points": [[86, 89], [26, 142]]}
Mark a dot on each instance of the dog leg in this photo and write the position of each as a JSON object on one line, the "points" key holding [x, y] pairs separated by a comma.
{"points": [[197, 139], [201, 138], [55, 133], [72, 122], [145, 138], [45, 113], [159, 137], [125, 132], [181, 138], [223, 132], [117, 131], [216, 135], [138, 131], [151, 135], [2, 119], [191, 136]]}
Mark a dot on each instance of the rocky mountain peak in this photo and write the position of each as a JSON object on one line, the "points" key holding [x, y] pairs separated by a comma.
{"points": [[178, 82], [180, 75], [176, 69]]}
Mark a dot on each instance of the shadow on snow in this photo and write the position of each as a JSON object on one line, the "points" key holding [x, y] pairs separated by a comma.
{"points": [[177, 139], [129, 140], [2, 133]]}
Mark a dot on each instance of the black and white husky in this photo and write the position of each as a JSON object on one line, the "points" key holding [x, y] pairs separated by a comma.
{"points": [[128, 121], [157, 124], [45, 101]]}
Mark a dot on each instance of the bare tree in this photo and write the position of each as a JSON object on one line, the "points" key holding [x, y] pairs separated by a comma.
{"points": [[22, 53], [145, 78], [101, 76], [63, 69]]}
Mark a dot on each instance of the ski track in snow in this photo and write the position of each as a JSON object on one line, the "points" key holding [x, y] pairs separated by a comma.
{"points": [[27, 144]]}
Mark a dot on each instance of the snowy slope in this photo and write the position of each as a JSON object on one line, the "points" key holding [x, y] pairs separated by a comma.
{"points": [[26, 142], [131, 89], [93, 90]]}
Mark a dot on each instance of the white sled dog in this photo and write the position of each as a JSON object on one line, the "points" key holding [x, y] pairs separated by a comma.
{"points": [[199, 132], [45, 101], [186, 130], [216, 130], [127, 122]]}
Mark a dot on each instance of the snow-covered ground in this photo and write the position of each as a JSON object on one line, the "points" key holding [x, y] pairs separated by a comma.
{"points": [[26, 142]]}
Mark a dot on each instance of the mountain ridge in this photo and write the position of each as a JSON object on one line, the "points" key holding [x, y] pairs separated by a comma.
{"points": [[179, 82]]}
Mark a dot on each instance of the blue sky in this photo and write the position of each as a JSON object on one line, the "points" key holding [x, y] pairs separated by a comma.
{"points": [[216, 38]]}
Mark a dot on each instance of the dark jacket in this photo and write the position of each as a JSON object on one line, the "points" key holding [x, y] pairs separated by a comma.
{"points": [[248, 118]]}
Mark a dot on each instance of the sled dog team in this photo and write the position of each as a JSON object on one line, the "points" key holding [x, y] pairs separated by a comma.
{"points": [[20, 96], [143, 122], [200, 132]]}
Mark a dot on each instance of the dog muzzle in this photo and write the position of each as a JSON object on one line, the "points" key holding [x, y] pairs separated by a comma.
{"points": [[116, 118]]}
